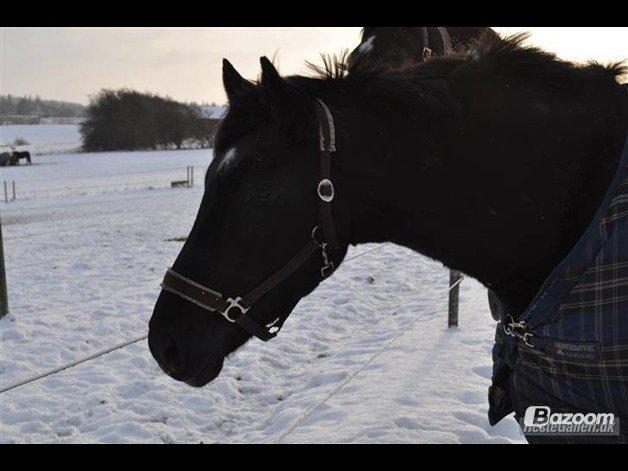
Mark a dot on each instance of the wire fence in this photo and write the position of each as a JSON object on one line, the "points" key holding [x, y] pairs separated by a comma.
{"points": [[73, 364], [111, 175], [92, 190], [308, 413], [81, 203], [293, 426], [129, 342]]}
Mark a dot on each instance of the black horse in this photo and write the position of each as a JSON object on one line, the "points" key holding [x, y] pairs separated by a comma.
{"points": [[395, 47], [492, 162], [11, 159]]}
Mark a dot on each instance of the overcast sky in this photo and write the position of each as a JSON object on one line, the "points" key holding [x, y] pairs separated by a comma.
{"points": [[185, 63]]}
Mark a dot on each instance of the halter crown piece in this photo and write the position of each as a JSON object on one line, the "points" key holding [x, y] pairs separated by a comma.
{"points": [[427, 52], [323, 238]]}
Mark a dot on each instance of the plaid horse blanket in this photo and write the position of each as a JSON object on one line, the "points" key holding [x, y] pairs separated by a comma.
{"points": [[569, 349]]}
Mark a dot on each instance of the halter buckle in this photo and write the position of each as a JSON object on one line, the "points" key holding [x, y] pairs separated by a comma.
{"points": [[234, 303]]}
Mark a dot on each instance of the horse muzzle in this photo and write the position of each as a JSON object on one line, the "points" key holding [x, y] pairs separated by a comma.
{"points": [[174, 361]]}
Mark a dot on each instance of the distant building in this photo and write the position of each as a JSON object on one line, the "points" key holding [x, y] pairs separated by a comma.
{"points": [[214, 113]]}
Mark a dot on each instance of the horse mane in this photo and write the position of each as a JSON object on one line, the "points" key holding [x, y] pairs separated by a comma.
{"points": [[417, 91], [334, 66], [512, 57]]}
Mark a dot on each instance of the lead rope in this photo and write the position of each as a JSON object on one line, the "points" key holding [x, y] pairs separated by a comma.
{"points": [[337, 389]]}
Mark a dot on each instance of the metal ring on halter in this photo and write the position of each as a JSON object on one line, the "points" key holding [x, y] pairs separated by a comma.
{"points": [[325, 190], [316, 235], [234, 303]]}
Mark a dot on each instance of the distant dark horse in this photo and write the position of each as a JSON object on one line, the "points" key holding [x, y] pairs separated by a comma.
{"points": [[387, 48], [492, 162], [13, 158]]}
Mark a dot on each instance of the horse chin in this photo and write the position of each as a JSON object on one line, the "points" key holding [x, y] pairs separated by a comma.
{"points": [[209, 372], [213, 364]]}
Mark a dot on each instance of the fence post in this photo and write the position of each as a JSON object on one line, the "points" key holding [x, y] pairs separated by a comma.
{"points": [[4, 300], [6, 192], [13, 191], [192, 173], [454, 280]]}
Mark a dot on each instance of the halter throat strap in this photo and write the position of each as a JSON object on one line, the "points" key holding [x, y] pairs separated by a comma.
{"points": [[323, 238]]}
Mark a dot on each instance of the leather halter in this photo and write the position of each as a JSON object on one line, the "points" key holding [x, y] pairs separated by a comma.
{"points": [[323, 237], [427, 52]]}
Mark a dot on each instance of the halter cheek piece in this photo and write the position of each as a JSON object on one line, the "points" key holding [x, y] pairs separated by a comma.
{"points": [[323, 238], [427, 52]]}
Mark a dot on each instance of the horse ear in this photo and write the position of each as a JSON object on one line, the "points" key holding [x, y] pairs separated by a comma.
{"points": [[270, 77], [233, 82], [287, 105]]}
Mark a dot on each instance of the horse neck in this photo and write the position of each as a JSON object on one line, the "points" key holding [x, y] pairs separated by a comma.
{"points": [[504, 221]]}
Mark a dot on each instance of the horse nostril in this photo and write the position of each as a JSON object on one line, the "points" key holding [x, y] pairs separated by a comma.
{"points": [[165, 351]]}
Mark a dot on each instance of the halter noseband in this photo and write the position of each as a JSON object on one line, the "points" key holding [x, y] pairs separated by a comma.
{"points": [[323, 237], [427, 52]]}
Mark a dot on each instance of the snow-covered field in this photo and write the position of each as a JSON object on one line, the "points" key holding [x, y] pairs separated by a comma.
{"points": [[360, 360], [67, 176], [41, 138]]}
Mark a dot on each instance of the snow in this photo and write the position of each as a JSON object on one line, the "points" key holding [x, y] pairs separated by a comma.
{"points": [[83, 269], [99, 173], [42, 138]]}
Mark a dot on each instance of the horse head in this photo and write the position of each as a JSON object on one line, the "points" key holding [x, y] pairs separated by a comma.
{"points": [[396, 47], [260, 229]]}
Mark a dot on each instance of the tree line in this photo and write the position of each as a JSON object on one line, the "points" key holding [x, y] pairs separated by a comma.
{"points": [[35, 106], [129, 120]]}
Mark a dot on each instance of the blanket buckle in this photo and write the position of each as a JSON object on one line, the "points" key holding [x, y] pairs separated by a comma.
{"points": [[518, 330]]}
